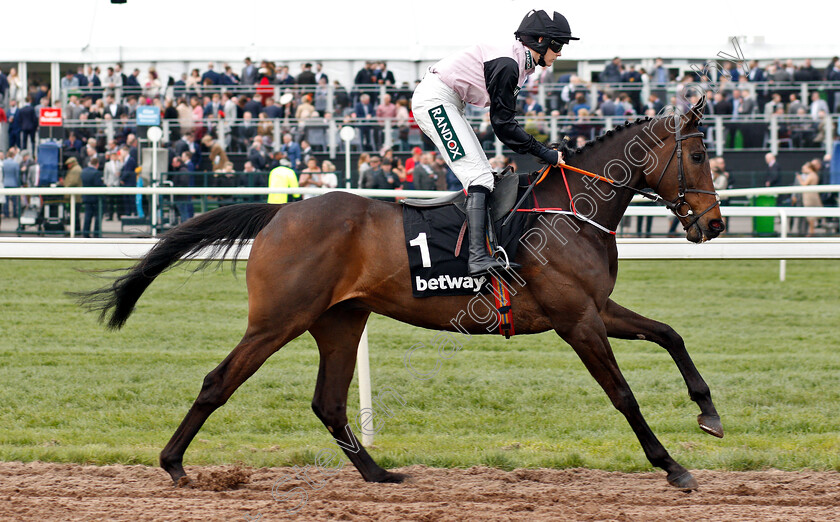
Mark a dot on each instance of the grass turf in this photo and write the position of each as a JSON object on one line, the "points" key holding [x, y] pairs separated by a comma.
{"points": [[71, 391]]}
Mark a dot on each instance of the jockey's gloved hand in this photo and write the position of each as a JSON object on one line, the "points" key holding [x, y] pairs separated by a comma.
{"points": [[555, 154], [562, 149]]}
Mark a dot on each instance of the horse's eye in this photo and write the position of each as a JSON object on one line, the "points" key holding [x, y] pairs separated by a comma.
{"points": [[697, 157]]}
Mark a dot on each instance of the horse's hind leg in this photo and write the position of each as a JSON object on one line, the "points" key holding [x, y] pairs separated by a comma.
{"points": [[337, 333], [589, 339], [251, 352], [622, 323]]}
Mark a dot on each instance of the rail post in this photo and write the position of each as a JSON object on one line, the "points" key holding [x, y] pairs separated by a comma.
{"points": [[347, 134], [388, 139], [72, 216], [330, 98], [154, 134], [222, 127], [276, 141], [332, 141], [774, 134], [365, 400], [541, 96], [719, 135], [784, 233]]}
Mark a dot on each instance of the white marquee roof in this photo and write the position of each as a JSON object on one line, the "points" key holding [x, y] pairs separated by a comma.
{"points": [[96, 31]]}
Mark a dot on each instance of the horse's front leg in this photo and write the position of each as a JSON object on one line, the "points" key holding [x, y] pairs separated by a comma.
{"points": [[622, 323], [588, 337]]}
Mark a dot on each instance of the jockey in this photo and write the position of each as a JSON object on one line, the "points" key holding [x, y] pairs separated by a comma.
{"points": [[487, 76]]}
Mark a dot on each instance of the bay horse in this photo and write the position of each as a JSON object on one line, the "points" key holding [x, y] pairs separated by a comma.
{"points": [[325, 264]]}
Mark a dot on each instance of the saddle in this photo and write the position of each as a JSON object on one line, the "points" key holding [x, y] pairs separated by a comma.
{"points": [[502, 199], [435, 232]]}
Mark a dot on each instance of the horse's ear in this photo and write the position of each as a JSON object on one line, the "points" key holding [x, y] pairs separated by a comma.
{"points": [[695, 114]]}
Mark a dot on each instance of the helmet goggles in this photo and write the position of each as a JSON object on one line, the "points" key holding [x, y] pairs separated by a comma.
{"points": [[556, 46]]}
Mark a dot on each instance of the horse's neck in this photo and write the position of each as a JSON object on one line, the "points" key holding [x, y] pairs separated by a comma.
{"points": [[609, 201]]}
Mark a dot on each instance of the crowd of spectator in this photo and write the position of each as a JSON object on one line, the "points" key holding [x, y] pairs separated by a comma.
{"points": [[194, 106], [198, 152], [262, 131], [248, 95], [627, 92], [245, 101], [630, 88]]}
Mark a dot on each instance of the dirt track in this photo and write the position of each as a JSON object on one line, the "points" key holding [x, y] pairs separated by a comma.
{"points": [[39, 491]]}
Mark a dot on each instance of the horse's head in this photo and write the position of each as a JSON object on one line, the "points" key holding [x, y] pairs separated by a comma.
{"points": [[685, 181]]}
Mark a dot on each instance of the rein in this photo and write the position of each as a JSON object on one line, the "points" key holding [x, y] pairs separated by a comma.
{"points": [[674, 205], [573, 212]]}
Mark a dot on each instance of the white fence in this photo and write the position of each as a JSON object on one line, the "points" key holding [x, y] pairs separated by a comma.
{"points": [[659, 248], [217, 191], [781, 212], [722, 248]]}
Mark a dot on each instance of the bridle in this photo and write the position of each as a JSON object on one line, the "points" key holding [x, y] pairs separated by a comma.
{"points": [[679, 202]]}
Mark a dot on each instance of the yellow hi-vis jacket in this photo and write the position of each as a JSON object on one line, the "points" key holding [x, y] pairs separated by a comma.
{"points": [[282, 177]]}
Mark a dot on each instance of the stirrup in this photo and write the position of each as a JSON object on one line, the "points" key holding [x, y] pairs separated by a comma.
{"points": [[492, 263], [501, 249]]}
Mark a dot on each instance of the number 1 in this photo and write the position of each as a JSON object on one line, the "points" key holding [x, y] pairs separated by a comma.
{"points": [[420, 241]]}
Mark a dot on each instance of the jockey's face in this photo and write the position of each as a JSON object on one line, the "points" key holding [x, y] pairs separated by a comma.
{"points": [[550, 55]]}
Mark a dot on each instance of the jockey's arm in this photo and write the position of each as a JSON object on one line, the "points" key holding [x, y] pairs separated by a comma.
{"points": [[501, 76]]}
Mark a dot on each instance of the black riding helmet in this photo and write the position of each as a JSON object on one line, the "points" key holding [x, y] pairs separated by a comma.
{"points": [[554, 29]]}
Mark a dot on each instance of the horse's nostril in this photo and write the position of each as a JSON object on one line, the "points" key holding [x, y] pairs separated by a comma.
{"points": [[717, 225]]}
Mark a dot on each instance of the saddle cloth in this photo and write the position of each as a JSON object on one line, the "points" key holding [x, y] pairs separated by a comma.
{"points": [[432, 233]]}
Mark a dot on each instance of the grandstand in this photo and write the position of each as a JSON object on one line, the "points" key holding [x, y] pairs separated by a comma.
{"points": [[783, 105], [782, 98]]}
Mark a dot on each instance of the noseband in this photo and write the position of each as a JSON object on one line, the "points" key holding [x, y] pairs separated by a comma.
{"points": [[679, 202]]}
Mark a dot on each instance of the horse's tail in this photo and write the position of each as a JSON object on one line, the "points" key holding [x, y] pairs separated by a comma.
{"points": [[219, 231]]}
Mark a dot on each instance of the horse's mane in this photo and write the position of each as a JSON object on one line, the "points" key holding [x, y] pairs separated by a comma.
{"points": [[618, 128], [607, 134]]}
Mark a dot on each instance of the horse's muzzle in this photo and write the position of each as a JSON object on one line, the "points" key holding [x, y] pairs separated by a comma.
{"points": [[715, 228], [700, 232]]}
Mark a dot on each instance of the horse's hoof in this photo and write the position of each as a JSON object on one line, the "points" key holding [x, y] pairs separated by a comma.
{"points": [[683, 481], [711, 424], [176, 472], [392, 478], [183, 482]]}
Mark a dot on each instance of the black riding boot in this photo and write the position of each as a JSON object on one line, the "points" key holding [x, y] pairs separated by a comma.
{"points": [[480, 261]]}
